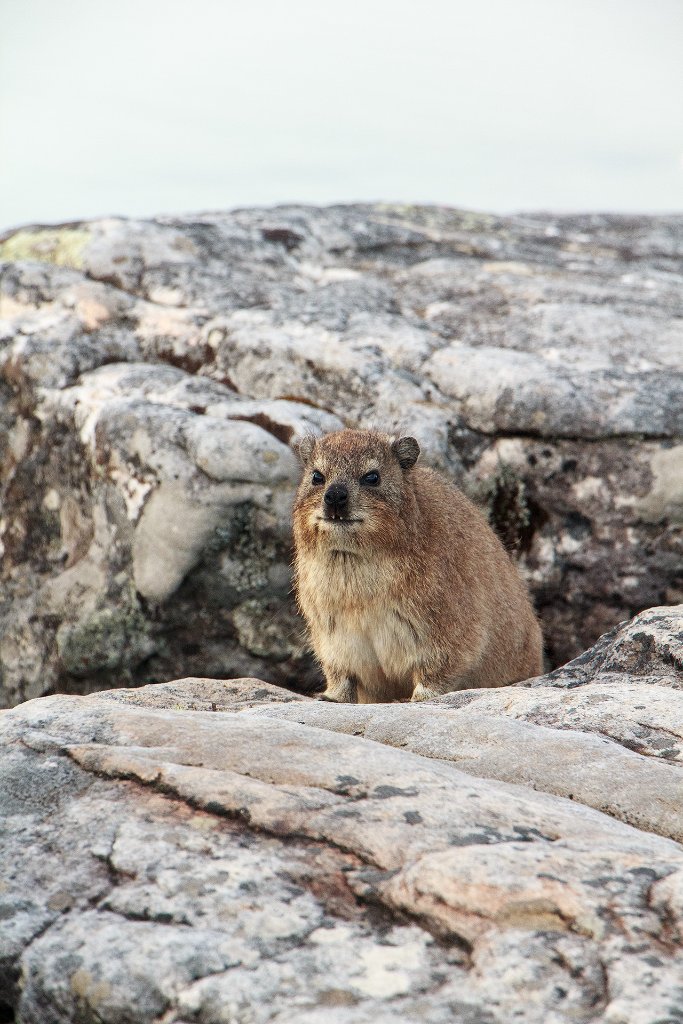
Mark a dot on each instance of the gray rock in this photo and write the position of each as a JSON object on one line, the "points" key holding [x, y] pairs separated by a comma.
{"points": [[579, 737], [208, 850], [155, 377]]}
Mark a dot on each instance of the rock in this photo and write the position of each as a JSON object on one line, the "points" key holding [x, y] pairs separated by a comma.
{"points": [[209, 850], [156, 375], [648, 648], [550, 732]]}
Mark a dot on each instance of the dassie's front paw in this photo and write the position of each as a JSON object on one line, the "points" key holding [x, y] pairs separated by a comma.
{"points": [[330, 700], [422, 692]]}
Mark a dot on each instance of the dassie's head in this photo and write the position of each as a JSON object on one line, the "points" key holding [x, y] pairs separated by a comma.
{"points": [[353, 490]]}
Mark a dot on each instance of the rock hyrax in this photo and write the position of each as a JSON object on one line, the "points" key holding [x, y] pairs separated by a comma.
{"points": [[406, 589]]}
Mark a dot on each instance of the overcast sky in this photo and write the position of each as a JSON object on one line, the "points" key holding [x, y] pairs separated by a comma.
{"points": [[158, 106]]}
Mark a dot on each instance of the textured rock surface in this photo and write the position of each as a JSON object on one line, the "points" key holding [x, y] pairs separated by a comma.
{"points": [[154, 376], [207, 851]]}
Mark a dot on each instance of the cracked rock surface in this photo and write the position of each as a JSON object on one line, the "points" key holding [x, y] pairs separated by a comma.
{"points": [[209, 851], [154, 376]]}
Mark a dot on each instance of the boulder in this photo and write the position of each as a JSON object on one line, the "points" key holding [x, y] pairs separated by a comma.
{"points": [[156, 375], [208, 851]]}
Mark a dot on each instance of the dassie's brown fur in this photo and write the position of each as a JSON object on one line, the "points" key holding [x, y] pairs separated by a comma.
{"points": [[406, 589]]}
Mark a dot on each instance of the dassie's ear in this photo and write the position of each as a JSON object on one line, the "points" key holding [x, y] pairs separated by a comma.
{"points": [[406, 450], [305, 447]]}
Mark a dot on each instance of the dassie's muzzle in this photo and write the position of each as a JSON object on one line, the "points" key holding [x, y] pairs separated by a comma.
{"points": [[336, 501]]}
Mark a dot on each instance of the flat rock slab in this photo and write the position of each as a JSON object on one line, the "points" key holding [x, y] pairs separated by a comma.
{"points": [[207, 851]]}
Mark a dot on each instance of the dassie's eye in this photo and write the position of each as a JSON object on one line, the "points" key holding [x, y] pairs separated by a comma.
{"points": [[370, 479], [317, 478]]}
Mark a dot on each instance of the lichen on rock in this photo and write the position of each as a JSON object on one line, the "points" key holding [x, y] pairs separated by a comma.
{"points": [[62, 247]]}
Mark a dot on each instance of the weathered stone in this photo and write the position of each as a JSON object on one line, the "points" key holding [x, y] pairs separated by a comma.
{"points": [[207, 850], [156, 375], [648, 648], [551, 732]]}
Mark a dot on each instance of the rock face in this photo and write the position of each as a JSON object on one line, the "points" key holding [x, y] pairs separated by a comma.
{"points": [[207, 851], [155, 375]]}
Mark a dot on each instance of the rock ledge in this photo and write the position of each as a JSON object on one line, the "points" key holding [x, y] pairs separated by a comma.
{"points": [[209, 850]]}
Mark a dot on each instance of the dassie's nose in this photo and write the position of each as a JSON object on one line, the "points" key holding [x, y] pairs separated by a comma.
{"points": [[336, 496]]}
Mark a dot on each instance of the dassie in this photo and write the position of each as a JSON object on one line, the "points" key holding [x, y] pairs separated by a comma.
{"points": [[406, 590]]}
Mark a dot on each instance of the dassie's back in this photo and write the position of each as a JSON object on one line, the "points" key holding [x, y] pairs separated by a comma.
{"points": [[468, 581]]}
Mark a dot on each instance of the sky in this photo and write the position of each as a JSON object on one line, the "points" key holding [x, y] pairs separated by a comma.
{"points": [[143, 107]]}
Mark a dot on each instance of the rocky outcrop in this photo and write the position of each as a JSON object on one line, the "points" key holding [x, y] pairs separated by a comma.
{"points": [[208, 850], [155, 375]]}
